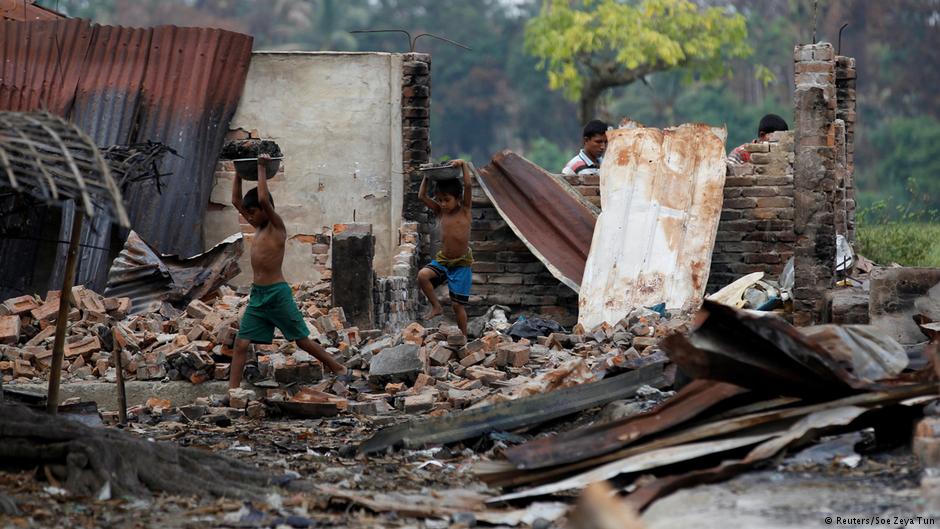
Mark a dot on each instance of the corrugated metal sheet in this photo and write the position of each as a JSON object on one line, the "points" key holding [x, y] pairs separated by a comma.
{"points": [[553, 220], [48, 57], [25, 10], [177, 86], [24, 99], [149, 279], [191, 89], [661, 196]]}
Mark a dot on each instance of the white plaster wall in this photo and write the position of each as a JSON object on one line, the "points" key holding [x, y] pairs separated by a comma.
{"points": [[337, 118]]}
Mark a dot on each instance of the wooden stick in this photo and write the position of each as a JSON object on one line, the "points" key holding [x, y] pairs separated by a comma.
{"points": [[58, 349], [119, 366]]}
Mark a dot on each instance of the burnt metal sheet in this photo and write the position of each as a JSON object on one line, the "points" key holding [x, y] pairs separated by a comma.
{"points": [[640, 462], [176, 86], [504, 416], [690, 402], [554, 221], [25, 10], [661, 196], [761, 351], [191, 88], [21, 99], [751, 424], [862, 349], [810, 426], [149, 279], [48, 57]]}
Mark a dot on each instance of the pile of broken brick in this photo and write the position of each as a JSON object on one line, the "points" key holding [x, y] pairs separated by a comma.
{"points": [[192, 344], [418, 370]]}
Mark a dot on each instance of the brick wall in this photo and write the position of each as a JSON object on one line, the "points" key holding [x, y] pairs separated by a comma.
{"points": [[587, 185], [814, 100], [755, 233], [505, 272]]}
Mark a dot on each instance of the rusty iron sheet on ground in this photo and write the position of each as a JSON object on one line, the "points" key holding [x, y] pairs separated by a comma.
{"points": [[690, 402], [661, 196], [507, 416], [554, 221], [786, 425], [760, 350]]}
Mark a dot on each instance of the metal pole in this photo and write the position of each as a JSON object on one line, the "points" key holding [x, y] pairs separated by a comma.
{"points": [[58, 350]]}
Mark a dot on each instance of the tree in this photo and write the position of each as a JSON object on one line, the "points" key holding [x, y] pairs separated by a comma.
{"points": [[589, 46]]}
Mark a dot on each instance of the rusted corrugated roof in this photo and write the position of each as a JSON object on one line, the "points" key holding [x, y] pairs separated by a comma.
{"points": [[661, 195], [176, 86], [554, 221], [149, 279], [25, 10]]}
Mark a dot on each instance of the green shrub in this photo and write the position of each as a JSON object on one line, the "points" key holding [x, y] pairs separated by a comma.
{"points": [[898, 235]]}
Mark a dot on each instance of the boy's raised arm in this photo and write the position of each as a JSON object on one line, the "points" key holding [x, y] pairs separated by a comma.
{"points": [[237, 193], [467, 183], [263, 196], [428, 201]]}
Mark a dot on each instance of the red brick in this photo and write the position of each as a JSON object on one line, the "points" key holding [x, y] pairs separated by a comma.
{"points": [[9, 329], [21, 304]]}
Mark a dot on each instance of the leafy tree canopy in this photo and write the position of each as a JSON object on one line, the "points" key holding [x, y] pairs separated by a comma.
{"points": [[588, 46]]}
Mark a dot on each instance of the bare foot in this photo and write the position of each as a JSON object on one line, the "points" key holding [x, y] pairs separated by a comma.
{"points": [[435, 312], [340, 370]]}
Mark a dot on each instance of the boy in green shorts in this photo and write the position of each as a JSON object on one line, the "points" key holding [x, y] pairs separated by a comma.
{"points": [[271, 303]]}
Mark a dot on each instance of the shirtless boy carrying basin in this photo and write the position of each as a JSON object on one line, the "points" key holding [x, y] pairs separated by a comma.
{"points": [[272, 302]]}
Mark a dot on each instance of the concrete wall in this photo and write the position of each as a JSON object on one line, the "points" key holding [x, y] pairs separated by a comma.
{"points": [[337, 118]]}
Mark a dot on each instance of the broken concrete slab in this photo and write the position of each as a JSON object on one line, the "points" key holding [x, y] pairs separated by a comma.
{"points": [[138, 391], [396, 364], [898, 294]]}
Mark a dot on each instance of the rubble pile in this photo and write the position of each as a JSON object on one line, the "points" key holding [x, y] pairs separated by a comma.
{"points": [[418, 371], [435, 370], [192, 344]]}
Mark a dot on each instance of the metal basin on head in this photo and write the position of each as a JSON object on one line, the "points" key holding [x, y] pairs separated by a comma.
{"points": [[247, 168]]}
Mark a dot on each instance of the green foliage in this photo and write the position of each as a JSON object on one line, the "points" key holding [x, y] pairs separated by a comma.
{"points": [[908, 166], [899, 235], [547, 155], [606, 43], [667, 101]]}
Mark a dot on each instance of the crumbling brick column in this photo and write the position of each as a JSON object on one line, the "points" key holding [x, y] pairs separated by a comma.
{"points": [[755, 233], [397, 298], [353, 279], [416, 140], [814, 179], [845, 110]]}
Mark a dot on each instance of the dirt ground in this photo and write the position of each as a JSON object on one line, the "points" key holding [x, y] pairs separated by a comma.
{"points": [[801, 491]]}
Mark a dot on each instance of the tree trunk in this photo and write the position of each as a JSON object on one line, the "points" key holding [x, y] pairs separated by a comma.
{"points": [[587, 110], [86, 460]]}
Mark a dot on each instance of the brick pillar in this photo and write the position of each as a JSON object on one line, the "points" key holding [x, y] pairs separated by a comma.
{"points": [[840, 202], [416, 140], [814, 179], [353, 281], [845, 110]]}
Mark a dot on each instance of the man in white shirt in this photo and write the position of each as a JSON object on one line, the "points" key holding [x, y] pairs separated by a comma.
{"points": [[594, 143]]}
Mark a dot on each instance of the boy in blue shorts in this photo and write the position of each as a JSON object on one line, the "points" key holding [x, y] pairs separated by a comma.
{"points": [[272, 302], [451, 204]]}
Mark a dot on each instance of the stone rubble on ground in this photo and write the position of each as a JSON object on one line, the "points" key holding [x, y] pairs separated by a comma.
{"points": [[417, 371]]}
